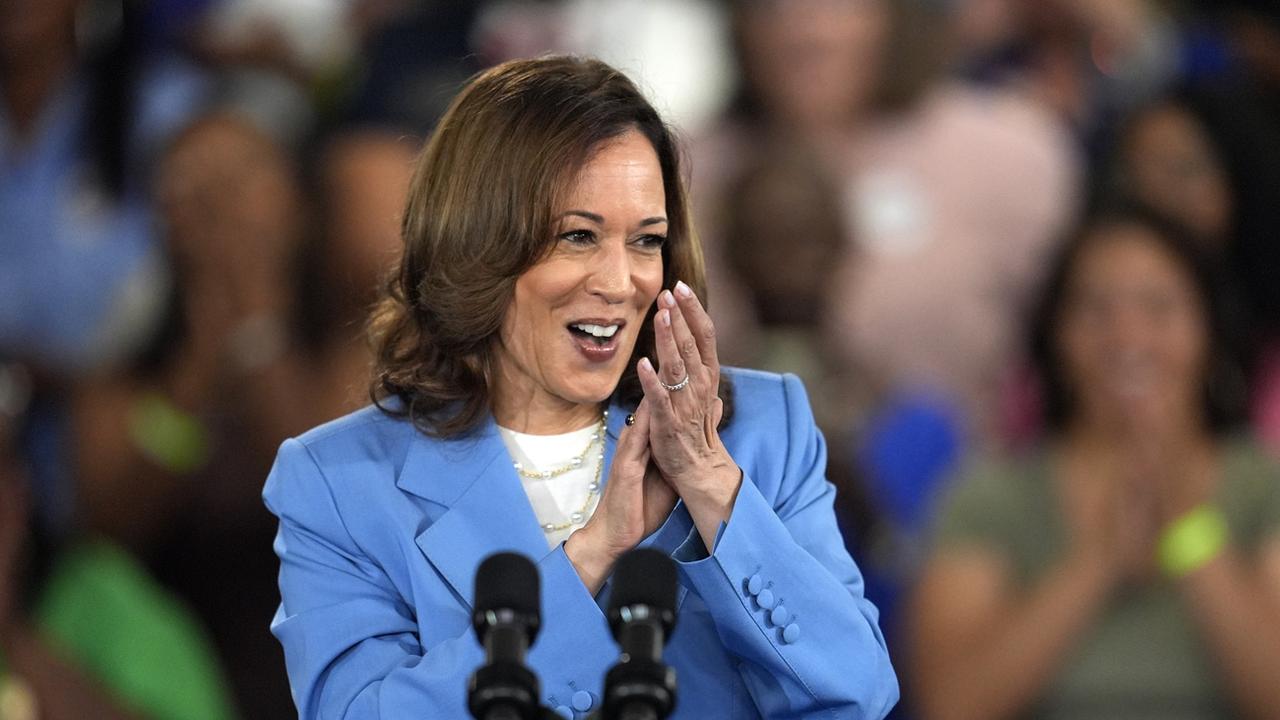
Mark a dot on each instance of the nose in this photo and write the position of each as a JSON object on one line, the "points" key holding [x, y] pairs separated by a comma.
{"points": [[609, 273], [1127, 322], [1131, 328]]}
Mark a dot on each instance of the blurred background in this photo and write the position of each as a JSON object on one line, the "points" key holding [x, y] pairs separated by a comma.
{"points": [[1026, 239]]}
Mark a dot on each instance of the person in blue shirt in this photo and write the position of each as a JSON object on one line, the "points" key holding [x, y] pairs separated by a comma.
{"points": [[84, 110], [547, 383]]}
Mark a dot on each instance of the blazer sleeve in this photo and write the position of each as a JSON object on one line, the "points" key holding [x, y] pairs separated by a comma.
{"points": [[351, 642], [786, 597]]}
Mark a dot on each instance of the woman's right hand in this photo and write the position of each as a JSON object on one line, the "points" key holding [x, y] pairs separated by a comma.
{"points": [[1114, 525], [636, 501]]}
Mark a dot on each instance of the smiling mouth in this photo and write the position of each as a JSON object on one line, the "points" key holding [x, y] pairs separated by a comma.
{"points": [[599, 334]]}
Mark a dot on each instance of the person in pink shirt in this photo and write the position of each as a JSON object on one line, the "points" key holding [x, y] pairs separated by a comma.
{"points": [[952, 196]]}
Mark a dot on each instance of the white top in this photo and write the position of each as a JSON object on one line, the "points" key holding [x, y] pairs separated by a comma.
{"points": [[555, 499]]}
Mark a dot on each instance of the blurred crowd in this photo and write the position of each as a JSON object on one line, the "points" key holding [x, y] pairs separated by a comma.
{"points": [[1025, 255]]}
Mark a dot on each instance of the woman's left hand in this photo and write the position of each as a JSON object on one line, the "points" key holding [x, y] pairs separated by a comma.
{"points": [[686, 410]]}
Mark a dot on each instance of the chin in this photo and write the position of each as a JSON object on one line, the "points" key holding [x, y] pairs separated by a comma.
{"points": [[593, 387]]}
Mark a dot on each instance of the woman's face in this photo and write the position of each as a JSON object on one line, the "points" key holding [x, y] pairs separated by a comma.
{"points": [[815, 63], [1132, 333], [576, 314], [1174, 169]]}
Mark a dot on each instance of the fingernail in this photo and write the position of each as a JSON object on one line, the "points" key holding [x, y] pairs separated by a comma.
{"points": [[644, 363], [631, 419], [668, 299], [664, 317], [684, 290]]}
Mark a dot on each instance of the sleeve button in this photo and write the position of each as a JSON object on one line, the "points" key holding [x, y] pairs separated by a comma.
{"points": [[791, 633], [582, 701], [564, 711], [779, 616], [755, 584], [766, 599]]}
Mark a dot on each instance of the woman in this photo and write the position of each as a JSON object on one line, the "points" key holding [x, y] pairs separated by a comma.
{"points": [[85, 104], [1200, 156], [953, 197], [85, 630], [545, 218], [1131, 569]]}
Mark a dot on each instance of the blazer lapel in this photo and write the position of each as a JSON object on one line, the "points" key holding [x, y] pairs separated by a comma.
{"points": [[488, 510]]}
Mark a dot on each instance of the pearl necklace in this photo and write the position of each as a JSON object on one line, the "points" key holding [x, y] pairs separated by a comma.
{"points": [[579, 515]]}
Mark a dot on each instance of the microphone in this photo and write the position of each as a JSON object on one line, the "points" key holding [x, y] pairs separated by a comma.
{"points": [[642, 612], [506, 621]]}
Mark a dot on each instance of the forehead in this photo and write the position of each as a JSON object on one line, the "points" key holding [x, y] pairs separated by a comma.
{"points": [[1128, 255], [624, 167], [1165, 122]]}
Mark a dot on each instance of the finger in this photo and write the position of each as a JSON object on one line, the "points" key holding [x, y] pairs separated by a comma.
{"points": [[700, 325], [672, 366], [684, 340], [659, 397], [633, 441], [641, 428]]}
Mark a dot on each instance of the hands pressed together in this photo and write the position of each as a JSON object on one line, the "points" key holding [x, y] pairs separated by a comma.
{"points": [[671, 451], [1118, 516]]}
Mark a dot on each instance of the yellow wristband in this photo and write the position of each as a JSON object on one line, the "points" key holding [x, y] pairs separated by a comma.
{"points": [[1192, 541], [173, 439]]}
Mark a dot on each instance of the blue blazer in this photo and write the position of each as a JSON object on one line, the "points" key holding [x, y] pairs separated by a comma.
{"points": [[382, 528]]}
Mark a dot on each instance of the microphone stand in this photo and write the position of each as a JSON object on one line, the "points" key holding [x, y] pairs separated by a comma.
{"points": [[506, 621], [641, 615]]}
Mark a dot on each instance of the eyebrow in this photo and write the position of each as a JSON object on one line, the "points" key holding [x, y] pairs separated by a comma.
{"points": [[599, 219]]}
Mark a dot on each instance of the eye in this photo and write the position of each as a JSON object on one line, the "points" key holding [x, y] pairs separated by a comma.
{"points": [[578, 237], [651, 242]]}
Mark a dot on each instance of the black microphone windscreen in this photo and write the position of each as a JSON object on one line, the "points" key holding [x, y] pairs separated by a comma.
{"points": [[508, 581], [644, 577]]}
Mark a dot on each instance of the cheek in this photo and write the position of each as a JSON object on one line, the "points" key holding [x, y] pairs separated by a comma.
{"points": [[543, 289], [1188, 347], [648, 282], [1077, 346], [514, 329], [525, 318]]}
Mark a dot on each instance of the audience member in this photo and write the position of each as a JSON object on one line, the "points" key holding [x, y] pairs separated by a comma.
{"points": [[84, 630], [788, 228], [275, 282], [1196, 158], [1090, 61], [165, 454], [83, 112], [1130, 566], [952, 196], [784, 215], [1166, 159]]}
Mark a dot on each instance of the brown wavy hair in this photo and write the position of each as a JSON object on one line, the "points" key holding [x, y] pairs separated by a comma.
{"points": [[480, 213]]}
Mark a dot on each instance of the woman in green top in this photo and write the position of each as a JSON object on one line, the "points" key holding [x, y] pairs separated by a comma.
{"points": [[84, 630], [1131, 567]]}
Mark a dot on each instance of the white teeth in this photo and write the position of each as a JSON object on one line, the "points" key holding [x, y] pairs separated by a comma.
{"points": [[597, 330]]}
